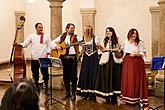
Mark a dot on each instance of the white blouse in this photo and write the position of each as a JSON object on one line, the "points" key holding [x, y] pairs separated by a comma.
{"points": [[97, 40], [128, 47]]}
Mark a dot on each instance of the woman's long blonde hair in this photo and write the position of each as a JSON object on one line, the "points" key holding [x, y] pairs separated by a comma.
{"points": [[88, 31]]}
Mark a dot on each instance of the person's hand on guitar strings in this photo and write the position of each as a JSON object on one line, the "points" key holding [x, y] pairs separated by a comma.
{"points": [[58, 48]]}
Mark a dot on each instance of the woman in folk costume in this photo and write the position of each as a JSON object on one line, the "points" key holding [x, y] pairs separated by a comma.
{"points": [[110, 69], [88, 72], [134, 84]]}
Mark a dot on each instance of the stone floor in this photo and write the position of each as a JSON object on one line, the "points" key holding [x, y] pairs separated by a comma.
{"points": [[79, 104]]}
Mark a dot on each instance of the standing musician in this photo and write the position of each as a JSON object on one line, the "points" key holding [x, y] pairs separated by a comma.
{"points": [[40, 43], [69, 59]]}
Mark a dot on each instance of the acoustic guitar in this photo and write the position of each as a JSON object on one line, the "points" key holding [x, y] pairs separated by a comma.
{"points": [[56, 54]]}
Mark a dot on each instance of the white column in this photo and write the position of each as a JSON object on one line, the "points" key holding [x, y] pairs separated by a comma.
{"points": [[162, 28], [155, 15], [159, 83], [88, 12], [56, 18]]}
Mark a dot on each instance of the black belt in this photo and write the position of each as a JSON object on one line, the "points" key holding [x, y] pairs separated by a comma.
{"points": [[72, 56], [127, 54], [109, 51]]}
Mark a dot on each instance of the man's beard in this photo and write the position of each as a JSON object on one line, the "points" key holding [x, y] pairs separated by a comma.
{"points": [[71, 33]]}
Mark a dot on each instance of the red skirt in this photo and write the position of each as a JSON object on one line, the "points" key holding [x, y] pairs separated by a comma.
{"points": [[134, 82]]}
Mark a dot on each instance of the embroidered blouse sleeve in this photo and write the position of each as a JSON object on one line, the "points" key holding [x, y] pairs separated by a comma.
{"points": [[53, 42], [122, 45], [79, 38], [97, 40], [48, 42]]}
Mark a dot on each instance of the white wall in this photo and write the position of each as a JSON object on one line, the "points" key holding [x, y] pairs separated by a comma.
{"points": [[87, 3], [7, 29], [37, 11], [71, 13], [121, 14]]}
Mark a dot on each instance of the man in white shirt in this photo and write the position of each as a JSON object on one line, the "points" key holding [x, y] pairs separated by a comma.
{"points": [[40, 43], [69, 60]]}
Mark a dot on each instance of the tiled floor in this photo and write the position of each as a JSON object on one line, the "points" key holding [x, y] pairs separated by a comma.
{"points": [[79, 104]]}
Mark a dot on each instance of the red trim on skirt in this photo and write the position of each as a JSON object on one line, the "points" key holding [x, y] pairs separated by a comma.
{"points": [[134, 82]]}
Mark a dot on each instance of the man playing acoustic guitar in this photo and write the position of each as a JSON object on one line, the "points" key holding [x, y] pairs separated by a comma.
{"points": [[65, 47]]}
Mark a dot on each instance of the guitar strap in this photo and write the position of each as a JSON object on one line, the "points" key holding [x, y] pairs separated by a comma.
{"points": [[73, 39], [63, 37]]}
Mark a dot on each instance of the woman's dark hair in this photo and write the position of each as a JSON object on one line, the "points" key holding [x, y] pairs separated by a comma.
{"points": [[131, 32], [21, 96], [113, 39]]}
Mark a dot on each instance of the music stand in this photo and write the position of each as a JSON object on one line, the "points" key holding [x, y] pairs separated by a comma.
{"points": [[158, 63], [47, 62]]}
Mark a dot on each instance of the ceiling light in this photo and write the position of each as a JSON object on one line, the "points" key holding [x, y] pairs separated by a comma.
{"points": [[30, 1]]}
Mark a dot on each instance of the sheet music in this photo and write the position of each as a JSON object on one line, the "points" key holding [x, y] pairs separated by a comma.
{"points": [[158, 63], [56, 62], [45, 62], [163, 66]]}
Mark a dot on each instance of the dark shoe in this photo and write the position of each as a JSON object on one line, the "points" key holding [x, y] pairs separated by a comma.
{"points": [[45, 85], [90, 97], [37, 84], [85, 98], [107, 100], [94, 98], [66, 96], [38, 91], [46, 92], [138, 107], [113, 102], [114, 99], [73, 98]]}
